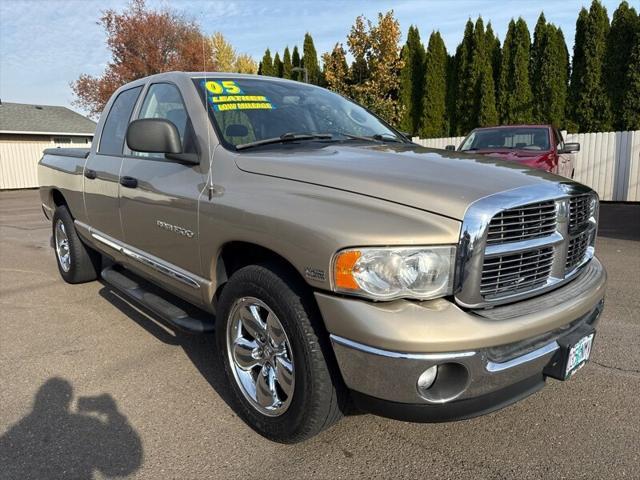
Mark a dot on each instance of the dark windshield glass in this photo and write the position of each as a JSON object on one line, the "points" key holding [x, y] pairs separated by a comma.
{"points": [[519, 138], [246, 110]]}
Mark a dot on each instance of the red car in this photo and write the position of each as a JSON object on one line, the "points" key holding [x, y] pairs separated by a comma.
{"points": [[537, 146]]}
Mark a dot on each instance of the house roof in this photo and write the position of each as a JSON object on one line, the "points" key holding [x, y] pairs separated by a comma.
{"points": [[43, 119]]}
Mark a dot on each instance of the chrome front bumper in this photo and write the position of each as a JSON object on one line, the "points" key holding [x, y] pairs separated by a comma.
{"points": [[392, 376]]}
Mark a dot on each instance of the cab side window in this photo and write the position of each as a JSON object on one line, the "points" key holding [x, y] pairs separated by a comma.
{"points": [[115, 126], [163, 100]]}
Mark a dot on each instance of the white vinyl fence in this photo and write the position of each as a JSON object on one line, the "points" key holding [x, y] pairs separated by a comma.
{"points": [[609, 162]]}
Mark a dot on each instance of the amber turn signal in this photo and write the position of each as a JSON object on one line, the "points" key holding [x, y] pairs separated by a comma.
{"points": [[343, 268]]}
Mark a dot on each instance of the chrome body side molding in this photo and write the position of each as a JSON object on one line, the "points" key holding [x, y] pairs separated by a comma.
{"points": [[165, 268]]}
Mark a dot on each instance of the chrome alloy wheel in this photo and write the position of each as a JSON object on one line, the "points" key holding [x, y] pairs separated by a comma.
{"points": [[260, 356], [62, 246]]}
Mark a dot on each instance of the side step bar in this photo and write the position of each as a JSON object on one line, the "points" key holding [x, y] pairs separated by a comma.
{"points": [[172, 310]]}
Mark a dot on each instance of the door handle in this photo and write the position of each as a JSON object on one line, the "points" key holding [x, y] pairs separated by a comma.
{"points": [[129, 182], [90, 174]]}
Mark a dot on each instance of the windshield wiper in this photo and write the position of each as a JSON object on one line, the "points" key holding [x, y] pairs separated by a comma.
{"points": [[284, 138], [373, 138]]}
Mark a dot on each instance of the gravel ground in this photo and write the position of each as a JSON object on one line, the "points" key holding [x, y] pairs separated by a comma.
{"points": [[93, 388]]}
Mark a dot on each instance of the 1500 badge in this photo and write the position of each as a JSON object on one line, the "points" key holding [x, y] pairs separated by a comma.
{"points": [[174, 228]]}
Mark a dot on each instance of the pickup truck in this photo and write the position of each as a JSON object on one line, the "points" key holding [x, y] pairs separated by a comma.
{"points": [[536, 146], [340, 265]]}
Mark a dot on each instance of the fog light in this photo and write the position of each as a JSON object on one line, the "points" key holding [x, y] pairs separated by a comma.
{"points": [[426, 379]]}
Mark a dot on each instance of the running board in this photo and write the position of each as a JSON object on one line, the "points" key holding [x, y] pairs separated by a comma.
{"points": [[172, 310]]}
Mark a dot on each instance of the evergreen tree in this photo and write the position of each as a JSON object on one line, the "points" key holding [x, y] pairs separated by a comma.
{"points": [[495, 53], [484, 111], [515, 99], [286, 64], [434, 116], [295, 63], [452, 88], [590, 108], [476, 98], [266, 66], [631, 101], [464, 98], [548, 73], [623, 35], [310, 60], [412, 82], [278, 67]]}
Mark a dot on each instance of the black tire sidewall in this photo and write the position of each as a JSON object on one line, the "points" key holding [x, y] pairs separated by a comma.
{"points": [[84, 262], [311, 372]]}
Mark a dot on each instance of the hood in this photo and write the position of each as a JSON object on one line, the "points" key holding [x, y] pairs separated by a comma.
{"points": [[437, 181]]}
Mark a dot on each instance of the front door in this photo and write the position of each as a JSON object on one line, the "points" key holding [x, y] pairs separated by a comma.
{"points": [[102, 170], [159, 199]]}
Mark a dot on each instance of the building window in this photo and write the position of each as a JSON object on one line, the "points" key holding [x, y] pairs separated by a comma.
{"points": [[61, 140]]}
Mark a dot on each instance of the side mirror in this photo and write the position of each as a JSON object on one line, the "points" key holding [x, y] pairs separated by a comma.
{"points": [[153, 135], [157, 135], [450, 147], [570, 148]]}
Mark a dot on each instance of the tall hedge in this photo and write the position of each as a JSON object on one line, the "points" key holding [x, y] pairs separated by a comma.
{"points": [[623, 36], [412, 82], [434, 116], [515, 100], [590, 108]]}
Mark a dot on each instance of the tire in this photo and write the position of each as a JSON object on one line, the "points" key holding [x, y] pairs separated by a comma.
{"points": [[318, 394], [77, 263]]}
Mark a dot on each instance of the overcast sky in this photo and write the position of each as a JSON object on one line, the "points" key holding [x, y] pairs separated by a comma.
{"points": [[46, 44]]}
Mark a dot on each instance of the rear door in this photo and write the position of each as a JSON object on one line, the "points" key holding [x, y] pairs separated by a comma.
{"points": [[102, 169], [159, 201]]}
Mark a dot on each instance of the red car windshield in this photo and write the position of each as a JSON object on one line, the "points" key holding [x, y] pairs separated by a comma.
{"points": [[517, 138]]}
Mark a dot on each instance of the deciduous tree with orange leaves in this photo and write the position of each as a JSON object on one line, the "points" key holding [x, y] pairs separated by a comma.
{"points": [[143, 42]]}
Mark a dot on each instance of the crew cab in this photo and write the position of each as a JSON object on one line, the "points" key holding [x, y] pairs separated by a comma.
{"points": [[336, 261], [536, 146]]}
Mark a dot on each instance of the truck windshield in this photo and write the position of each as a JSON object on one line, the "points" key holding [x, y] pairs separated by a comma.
{"points": [[257, 112], [518, 138]]}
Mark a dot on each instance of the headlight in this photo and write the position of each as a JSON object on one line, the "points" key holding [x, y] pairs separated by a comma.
{"points": [[396, 272]]}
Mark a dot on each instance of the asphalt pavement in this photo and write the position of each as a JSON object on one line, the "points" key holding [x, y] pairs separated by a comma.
{"points": [[91, 387]]}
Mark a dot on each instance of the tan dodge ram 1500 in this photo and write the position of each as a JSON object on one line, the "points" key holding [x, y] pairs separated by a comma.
{"points": [[338, 262]]}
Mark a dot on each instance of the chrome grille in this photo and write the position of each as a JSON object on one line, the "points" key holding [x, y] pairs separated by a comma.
{"points": [[526, 222], [579, 212], [577, 250], [515, 272], [524, 241]]}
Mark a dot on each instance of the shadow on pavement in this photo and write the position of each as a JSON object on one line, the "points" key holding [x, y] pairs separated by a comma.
{"points": [[619, 220], [53, 441], [201, 349]]}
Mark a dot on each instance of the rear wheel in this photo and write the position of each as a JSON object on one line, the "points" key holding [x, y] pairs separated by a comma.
{"points": [[271, 341], [77, 262]]}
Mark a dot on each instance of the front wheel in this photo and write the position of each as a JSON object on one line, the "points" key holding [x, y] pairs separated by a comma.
{"points": [[270, 338], [77, 262]]}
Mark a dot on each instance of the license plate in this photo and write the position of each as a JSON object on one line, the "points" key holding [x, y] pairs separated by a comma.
{"points": [[578, 355]]}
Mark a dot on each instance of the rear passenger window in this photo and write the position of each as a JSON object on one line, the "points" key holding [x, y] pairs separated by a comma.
{"points": [[115, 127]]}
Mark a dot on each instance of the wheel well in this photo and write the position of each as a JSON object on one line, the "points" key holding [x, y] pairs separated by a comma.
{"points": [[235, 255], [58, 198]]}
